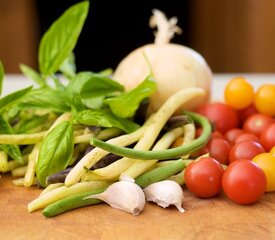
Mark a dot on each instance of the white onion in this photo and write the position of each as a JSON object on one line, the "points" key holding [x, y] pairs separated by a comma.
{"points": [[174, 66]]}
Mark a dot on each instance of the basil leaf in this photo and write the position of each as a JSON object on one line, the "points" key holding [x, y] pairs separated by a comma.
{"points": [[100, 85], [12, 150], [93, 88], [68, 67], [12, 113], [47, 98], [127, 103], [13, 98], [55, 152], [30, 125], [32, 74], [93, 103], [106, 72], [2, 73], [104, 118], [57, 82], [93, 85], [60, 39]]}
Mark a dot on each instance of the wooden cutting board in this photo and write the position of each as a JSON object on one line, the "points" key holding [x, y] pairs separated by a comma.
{"points": [[215, 218]]}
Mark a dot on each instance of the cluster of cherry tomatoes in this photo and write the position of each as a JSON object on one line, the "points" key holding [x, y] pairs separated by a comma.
{"points": [[241, 150]]}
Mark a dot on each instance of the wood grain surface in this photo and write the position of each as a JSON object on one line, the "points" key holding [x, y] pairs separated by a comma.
{"points": [[215, 218]]}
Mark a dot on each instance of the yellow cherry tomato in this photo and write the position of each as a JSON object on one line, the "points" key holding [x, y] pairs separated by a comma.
{"points": [[265, 99], [272, 151], [238, 93], [266, 161]]}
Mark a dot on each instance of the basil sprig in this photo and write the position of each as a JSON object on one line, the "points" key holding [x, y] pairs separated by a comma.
{"points": [[127, 103], [105, 118], [33, 75], [93, 98], [59, 41], [12, 150], [55, 152], [13, 98]]}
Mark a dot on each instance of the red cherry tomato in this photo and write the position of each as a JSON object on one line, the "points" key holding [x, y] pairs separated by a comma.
{"points": [[244, 182], [201, 151], [256, 123], [219, 149], [221, 115], [246, 112], [205, 149], [247, 137], [198, 132], [217, 134], [204, 177], [245, 150], [231, 135], [214, 134], [267, 137]]}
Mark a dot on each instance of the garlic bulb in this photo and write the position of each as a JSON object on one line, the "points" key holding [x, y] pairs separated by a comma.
{"points": [[165, 193], [125, 195]]}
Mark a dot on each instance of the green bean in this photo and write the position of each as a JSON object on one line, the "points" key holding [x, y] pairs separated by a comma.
{"points": [[162, 154], [163, 163], [3, 162], [151, 133], [51, 187], [12, 164], [189, 136], [22, 139], [160, 173], [33, 138], [178, 178], [79, 200], [141, 166], [96, 154], [63, 192], [71, 202], [103, 135], [30, 172], [19, 171], [19, 182]]}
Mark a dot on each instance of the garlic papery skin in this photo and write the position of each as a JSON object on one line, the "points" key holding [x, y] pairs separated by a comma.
{"points": [[165, 193], [125, 195]]}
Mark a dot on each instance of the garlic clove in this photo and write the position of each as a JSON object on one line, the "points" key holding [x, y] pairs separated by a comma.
{"points": [[125, 177], [165, 193], [125, 195]]}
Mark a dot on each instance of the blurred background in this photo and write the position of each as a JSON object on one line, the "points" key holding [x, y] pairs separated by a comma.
{"points": [[232, 35]]}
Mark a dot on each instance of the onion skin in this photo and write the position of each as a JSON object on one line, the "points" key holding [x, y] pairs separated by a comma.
{"points": [[174, 67]]}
